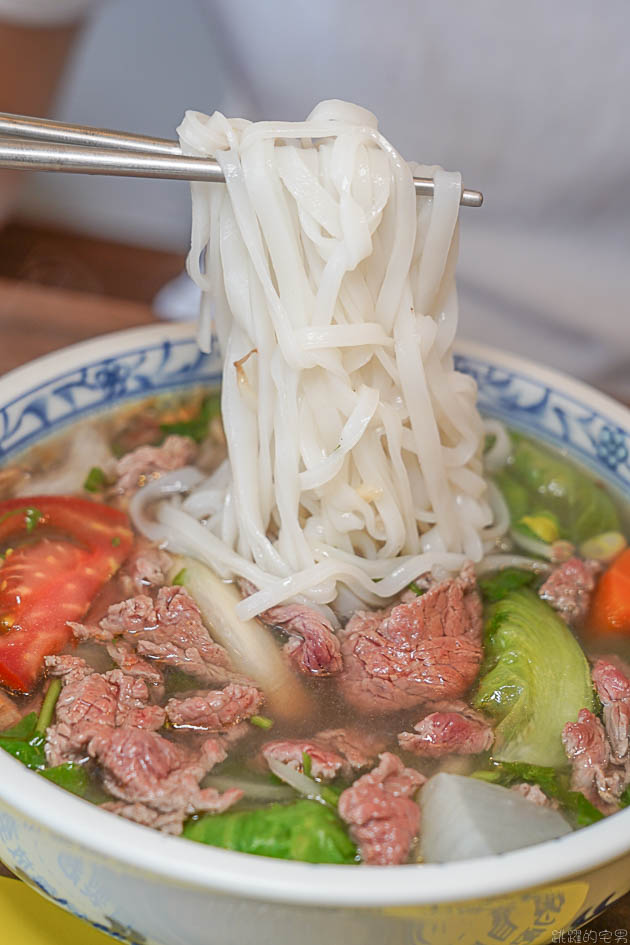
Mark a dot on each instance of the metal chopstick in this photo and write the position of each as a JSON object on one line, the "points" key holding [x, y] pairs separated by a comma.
{"points": [[45, 130], [79, 149]]}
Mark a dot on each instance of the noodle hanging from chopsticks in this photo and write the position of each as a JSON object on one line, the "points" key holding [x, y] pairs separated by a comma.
{"points": [[355, 448]]}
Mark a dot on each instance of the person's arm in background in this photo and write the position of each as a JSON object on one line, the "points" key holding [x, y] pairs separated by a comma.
{"points": [[36, 38]]}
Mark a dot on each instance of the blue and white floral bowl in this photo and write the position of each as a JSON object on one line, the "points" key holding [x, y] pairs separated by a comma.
{"points": [[144, 887]]}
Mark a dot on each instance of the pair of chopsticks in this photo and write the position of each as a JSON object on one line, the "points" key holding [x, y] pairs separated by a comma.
{"points": [[37, 144]]}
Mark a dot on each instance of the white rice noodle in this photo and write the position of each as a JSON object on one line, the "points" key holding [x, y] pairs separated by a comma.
{"points": [[496, 457], [355, 448]]}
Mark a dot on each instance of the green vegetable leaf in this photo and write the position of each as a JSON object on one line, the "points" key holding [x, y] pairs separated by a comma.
{"points": [[29, 751], [534, 680], [96, 480], [495, 588], [554, 784], [25, 743], [70, 777], [625, 798], [304, 830], [24, 729], [76, 779], [197, 426], [539, 482]]}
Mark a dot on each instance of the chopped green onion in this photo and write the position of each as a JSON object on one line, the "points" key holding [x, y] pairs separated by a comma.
{"points": [[31, 516], [330, 795], [48, 706], [307, 764], [262, 721], [419, 591], [179, 578], [115, 541], [95, 480]]}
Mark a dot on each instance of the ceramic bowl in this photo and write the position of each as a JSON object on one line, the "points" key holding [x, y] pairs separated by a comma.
{"points": [[145, 887]]}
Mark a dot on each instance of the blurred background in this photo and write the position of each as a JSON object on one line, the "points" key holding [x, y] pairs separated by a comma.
{"points": [[529, 101]]}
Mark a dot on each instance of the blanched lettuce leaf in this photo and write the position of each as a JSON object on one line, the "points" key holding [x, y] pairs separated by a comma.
{"points": [[534, 680], [537, 482], [553, 783], [304, 830], [495, 588]]}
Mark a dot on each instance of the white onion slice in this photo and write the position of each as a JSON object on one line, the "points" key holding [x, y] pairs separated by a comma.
{"points": [[297, 779]]}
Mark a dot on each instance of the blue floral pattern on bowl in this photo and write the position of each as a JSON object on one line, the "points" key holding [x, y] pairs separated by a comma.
{"points": [[516, 397]]}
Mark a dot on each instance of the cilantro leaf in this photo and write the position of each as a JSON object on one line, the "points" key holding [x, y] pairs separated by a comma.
{"points": [[197, 426]]}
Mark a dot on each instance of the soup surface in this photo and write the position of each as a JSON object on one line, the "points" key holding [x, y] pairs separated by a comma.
{"points": [[470, 714]]}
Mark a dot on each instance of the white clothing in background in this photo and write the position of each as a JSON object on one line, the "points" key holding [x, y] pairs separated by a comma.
{"points": [[530, 101]]}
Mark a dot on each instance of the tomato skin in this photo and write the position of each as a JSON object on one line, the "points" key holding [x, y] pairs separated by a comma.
{"points": [[47, 582]]}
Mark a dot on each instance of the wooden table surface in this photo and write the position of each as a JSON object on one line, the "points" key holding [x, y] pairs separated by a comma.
{"points": [[36, 319]]}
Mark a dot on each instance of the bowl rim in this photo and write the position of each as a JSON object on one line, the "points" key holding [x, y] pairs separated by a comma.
{"points": [[143, 850]]}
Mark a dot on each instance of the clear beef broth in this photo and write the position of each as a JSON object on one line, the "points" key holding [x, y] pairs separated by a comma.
{"points": [[141, 426]]}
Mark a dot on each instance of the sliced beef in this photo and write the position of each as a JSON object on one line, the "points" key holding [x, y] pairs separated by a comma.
{"points": [[147, 566], [126, 658], [458, 730], [215, 710], [142, 768], [593, 771], [91, 700], [533, 793], [326, 764], [171, 822], [313, 647], [613, 688], [169, 631], [208, 800], [360, 749], [612, 680], [149, 462], [379, 808], [569, 588], [181, 640], [333, 752], [425, 649], [617, 725], [69, 669], [129, 617]]}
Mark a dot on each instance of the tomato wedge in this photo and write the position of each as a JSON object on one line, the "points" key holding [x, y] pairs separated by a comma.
{"points": [[48, 580]]}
